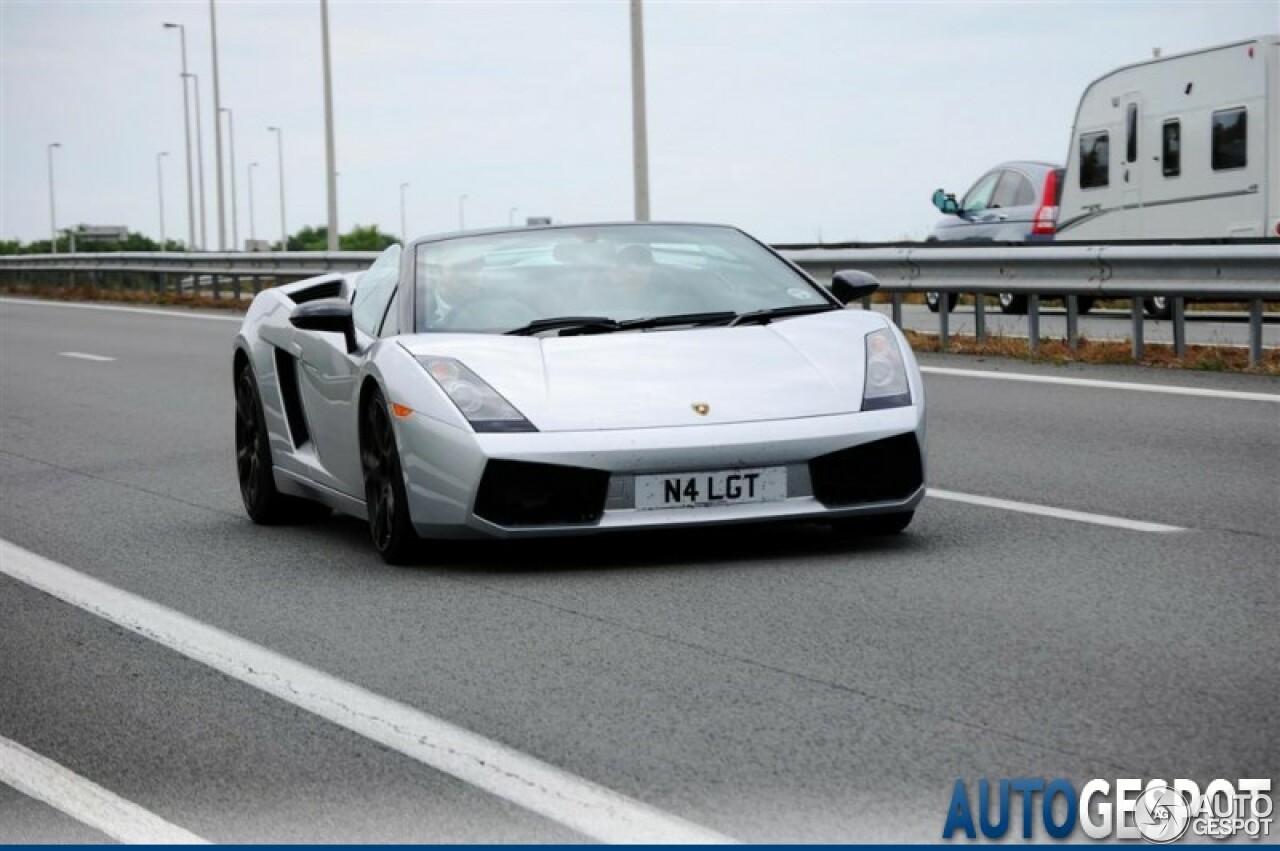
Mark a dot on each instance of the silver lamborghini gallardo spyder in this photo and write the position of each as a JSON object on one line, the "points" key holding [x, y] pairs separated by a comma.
{"points": [[576, 379]]}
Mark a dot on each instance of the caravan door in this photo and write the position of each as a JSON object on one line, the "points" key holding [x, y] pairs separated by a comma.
{"points": [[1131, 168]]}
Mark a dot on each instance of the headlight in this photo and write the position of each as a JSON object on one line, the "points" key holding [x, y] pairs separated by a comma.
{"points": [[886, 383], [483, 406]]}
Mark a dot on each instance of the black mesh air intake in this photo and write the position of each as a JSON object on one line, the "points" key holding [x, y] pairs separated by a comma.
{"points": [[880, 471], [519, 493]]}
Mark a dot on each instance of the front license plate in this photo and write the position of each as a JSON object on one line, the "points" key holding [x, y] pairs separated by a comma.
{"points": [[722, 487]]}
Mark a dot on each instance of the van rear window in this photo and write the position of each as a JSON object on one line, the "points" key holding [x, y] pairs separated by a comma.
{"points": [[1230, 148], [1095, 160]]}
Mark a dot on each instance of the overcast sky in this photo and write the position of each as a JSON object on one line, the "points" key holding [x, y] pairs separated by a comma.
{"points": [[788, 119]]}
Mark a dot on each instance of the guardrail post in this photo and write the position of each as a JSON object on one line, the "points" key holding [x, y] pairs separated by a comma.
{"points": [[944, 320], [980, 317], [1255, 332], [1135, 309], [217, 287], [866, 303], [1179, 326], [235, 289], [1073, 317], [1033, 324], [896, 300]]}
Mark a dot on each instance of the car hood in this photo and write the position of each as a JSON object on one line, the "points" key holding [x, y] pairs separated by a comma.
{"points": [[800, 367]]}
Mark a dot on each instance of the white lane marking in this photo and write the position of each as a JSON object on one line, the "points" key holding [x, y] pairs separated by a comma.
{"points": [[85, 801], [85, 356], [1050, 511], [574, 802], [172, 314], [1172, 389]]}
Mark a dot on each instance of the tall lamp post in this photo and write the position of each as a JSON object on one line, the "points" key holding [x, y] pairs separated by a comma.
{"points": [[284, 233], [186, 124], [331, 174], [204, 232], [404, 231], [217, 127], [231, 147], [639, 130], [462, 212], [53, 216], [511, 216], [253, 231], [160, 187]]}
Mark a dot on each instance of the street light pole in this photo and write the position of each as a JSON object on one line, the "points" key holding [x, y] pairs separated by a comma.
{"points": [[511, 216], [53, 216], [404, 232], [462, 212], [231, 147], [284, 233], [253, 231], [186, 125], [217, 128], [331, 179], [204, 232], [639, 129], [160, 186]]}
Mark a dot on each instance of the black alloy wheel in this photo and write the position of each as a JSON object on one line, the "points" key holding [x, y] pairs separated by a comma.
{"points": [[934, 300], [262, 501], [385, 498], [1012, 304]]}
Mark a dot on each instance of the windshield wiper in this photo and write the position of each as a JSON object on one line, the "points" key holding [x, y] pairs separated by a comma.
{"points": [[764, 317], [572, 326], [578, 323]]}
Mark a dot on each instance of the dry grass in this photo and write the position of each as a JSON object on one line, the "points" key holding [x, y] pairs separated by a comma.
{"points": [[1211, 358], [91, 293]]}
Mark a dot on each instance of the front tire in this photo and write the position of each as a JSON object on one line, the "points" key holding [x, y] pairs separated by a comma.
{"points": [[873, 525], [933, 300], [264, 504], [385, 497], [1158, 307]]}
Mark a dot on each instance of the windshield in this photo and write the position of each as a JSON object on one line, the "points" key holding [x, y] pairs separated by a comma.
{"points": [[502, 282]]}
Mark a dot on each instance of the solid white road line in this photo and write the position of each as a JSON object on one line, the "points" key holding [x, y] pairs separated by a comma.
{"points": [[84, 356], [172, 314], [1137, 387], [86, 801], [1049, 511], [572, 801]]}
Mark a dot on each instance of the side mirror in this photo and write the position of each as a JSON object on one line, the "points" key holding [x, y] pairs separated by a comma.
{"points": [[331, 315], [850, 285], [946, 203]]}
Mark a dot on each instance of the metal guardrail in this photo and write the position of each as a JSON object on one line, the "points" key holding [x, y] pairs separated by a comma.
{"points": [[1247, 273]]}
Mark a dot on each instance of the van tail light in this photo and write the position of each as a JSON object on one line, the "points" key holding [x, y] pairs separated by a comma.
{"points": [[1046, 220]]}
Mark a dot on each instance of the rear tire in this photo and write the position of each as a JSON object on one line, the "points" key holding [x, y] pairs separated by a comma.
{"points": [[1084, 304], [1015, 305], [263, 503], [873, 525], [385, 497], [932, 301]]}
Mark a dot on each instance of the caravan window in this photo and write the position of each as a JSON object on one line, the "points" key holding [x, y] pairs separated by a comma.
{"points": [[1229, 138], [1131, 133], [1171, 148], [1095, 160]]}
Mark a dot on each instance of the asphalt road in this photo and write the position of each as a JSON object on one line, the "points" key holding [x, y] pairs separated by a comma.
{"points": [[774, 684], [1217, 328]]}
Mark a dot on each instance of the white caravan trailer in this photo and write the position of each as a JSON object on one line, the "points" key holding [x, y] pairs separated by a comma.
{"points": [[1179, 147]]}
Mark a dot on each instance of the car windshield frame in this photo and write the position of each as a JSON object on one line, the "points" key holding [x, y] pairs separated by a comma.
{"points": [[503, 280]]}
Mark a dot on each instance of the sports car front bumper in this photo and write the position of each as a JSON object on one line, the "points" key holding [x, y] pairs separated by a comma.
{"points": [[445, 465]]}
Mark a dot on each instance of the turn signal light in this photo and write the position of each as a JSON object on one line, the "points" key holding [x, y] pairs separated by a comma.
{"points": [[400, 410]]}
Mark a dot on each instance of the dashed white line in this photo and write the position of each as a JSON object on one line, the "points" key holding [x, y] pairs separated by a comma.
{"points": [[1050, 511], [86, 356], [526, 781], [1133, 386], [172, 314], [85, 801]]}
